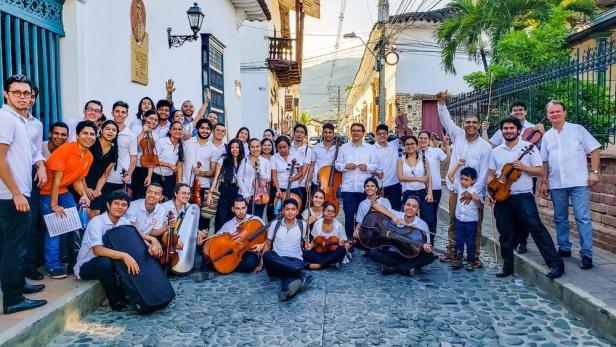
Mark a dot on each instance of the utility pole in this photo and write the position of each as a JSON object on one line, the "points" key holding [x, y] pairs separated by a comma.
{"points": [[380, 56], [335, 98]]}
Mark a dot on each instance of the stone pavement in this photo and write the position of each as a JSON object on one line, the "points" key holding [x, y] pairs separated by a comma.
{"points": [[357, 306]]}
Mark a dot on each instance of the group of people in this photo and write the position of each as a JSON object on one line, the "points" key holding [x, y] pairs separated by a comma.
{"points": [[105, 168]]}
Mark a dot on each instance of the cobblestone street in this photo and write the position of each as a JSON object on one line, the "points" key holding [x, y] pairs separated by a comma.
{"points": [[357, 306]]}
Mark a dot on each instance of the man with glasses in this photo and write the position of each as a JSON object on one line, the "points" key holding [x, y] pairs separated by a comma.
{"points": [[92, 111], [386, 153], [16, 159]]}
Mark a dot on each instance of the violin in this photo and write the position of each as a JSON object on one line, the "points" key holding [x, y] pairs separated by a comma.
{"points": [[333, 178], [500, 188], [261, 193], [196, 188], [377, 231], [225, 251], [149, 159], [324, 244], [169, 241], [283, 195], [124, 173]]}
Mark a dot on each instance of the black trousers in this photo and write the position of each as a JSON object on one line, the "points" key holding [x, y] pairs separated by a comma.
{"points": [[14, 231], [288, 269], [393, 193], [102, 269], [431, 213], [225, 202], [35, 236], [394, 259], [168, 184], [325, 259], [523, 205], [137, 180]]}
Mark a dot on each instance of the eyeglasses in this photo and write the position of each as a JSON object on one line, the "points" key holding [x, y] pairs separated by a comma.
{"points": [[381, 133], [410, 144], [93, 110], [19, 93], [329, 211]]}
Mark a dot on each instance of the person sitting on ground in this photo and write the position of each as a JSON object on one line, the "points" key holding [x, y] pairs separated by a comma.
{"points": [[327, 228]]}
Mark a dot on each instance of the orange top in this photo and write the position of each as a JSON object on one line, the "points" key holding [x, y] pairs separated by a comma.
{"points": [[68, 159]]}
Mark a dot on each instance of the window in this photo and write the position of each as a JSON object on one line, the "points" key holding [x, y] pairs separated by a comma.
{"points": [[212, 58]]}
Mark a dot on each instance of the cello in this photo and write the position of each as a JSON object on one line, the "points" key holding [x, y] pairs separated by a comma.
{"points": [[287, 193], [333, 178], [500, 187], [225, 250]]}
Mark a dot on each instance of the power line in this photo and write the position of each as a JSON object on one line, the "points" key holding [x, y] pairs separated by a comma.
{"points": [[340, 21], [305, 34]]}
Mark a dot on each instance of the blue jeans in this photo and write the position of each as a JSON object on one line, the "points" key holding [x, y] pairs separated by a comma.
{"points": [[465, 235], [350, 205], [52, 244], [580, 201]]}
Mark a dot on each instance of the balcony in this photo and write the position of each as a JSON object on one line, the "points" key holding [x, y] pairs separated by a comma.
{"points": [[283, 61]]}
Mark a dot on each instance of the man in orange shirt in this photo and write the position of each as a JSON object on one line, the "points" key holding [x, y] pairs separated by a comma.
{"points": [[66, 166]]}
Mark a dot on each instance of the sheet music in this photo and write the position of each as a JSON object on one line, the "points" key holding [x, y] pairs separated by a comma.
{"points": [[57, 225]]}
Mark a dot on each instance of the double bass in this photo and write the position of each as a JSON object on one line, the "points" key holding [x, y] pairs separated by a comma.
{"points": [[287, 193], [500, 187], [328, 175]]}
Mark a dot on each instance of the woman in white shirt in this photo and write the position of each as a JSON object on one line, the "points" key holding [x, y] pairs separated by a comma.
{"points": [[267, 152], [324, 230], [244, 135], [414, 174], [170, 156], [315, 212], [251, 166]]}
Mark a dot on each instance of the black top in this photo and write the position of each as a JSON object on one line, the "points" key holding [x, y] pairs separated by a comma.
{"points": [[100, 163]]}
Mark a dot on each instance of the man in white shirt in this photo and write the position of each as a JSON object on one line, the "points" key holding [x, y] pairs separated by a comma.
{"points": [[304, 155], [517, 110], [520, 206], [323, 154], [93, 110], [386, 153], [148, 215], [564, 151], [163, 108], [356, 161], [127, 151], [467, 145], [16, 159], [283, 251]]}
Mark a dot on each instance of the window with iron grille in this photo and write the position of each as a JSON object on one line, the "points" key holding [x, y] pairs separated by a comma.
{"points": [[212, 58]]}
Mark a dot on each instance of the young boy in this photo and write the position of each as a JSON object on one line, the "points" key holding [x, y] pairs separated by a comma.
{"points": [[467, 213]]}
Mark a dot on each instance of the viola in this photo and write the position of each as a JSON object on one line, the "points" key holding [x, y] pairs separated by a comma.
{"points": [[283, 195], [378, 231], [225, 250], [196, 188], [261, 194], [169, 242], [324, 244], [149, 159], [333, 178], [500, 188]]}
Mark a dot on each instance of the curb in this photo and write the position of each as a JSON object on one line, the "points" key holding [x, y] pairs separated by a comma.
{"points": [[594, 312], [40, 329]]}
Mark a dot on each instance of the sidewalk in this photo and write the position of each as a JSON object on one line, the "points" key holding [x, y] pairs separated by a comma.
{"points": [[68, 301], [588, 294]]}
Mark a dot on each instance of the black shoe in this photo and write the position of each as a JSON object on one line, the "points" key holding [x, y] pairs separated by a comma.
{"points": [[34, 275], [554, 272], [26, 304], [30, 288], [563, 253], [202, 276], [504, 273], [118, 307], [388, 270], [522, 248], [586, 263]]}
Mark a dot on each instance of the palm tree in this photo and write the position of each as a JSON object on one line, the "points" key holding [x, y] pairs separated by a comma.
{"points": [[304, 118]]}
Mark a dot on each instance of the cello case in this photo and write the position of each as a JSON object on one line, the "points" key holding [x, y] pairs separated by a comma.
{"points": [[188, 235], [148, 290]]}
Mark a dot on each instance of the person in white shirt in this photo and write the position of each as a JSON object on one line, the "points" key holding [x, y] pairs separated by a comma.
{"points": [[163, 108], [127, 151], [414, 174], [467, 145], [16, 159], [564, 152], [323, 154], [148, 215], [281, 165], [517, 110], [138, 179], [170, 156], [304, 155], [467, 214], [372, 202], [252, 166], [227, 175], [95, 261], [243, 134], [519, 210], [387, 155], [391, 261], [145, 104], [434, 157], [93, 110], [356, 161], [283, 251], [327, 228]]}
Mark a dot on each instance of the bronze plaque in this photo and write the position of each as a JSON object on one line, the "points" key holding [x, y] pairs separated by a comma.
{"points": [[138, 43]]}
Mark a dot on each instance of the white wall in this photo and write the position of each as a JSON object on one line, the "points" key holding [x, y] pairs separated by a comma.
{"points": [[421, 72], [95, 54]]}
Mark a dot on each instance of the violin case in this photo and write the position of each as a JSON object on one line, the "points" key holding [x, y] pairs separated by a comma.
{"points": [[149, 290]]}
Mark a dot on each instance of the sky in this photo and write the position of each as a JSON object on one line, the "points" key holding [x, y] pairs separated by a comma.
{"points": [[359, 16]]}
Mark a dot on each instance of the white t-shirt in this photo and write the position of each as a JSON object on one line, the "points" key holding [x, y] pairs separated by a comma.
{"points": [[417, 222], [288, 241], [282, 167], [566, 152], [321, 156], [304, 155], [366, 205], [161, 131], [14, 133], [127, 147], [144, 220], [387, 157], [434, 157], [168, 153], [338, 230], [169, 205], [502, 155], [417, 170], [466, 212], [247, 174], [93, 236], [497, 139], [197, 152], [231, 225]]}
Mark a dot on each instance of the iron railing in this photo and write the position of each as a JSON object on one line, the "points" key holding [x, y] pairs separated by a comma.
{"points": [[586, 84]]}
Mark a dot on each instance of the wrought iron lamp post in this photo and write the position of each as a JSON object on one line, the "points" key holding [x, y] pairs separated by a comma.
{"points": [[195, 20]]}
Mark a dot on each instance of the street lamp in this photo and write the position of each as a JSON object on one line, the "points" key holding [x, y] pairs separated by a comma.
{"points": [[195, 20]]}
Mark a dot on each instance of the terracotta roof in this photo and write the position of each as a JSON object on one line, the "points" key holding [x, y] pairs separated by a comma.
{"points": [[435, 16]]}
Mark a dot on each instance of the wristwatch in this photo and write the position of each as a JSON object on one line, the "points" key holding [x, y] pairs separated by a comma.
{"points": [[594, 171]]}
